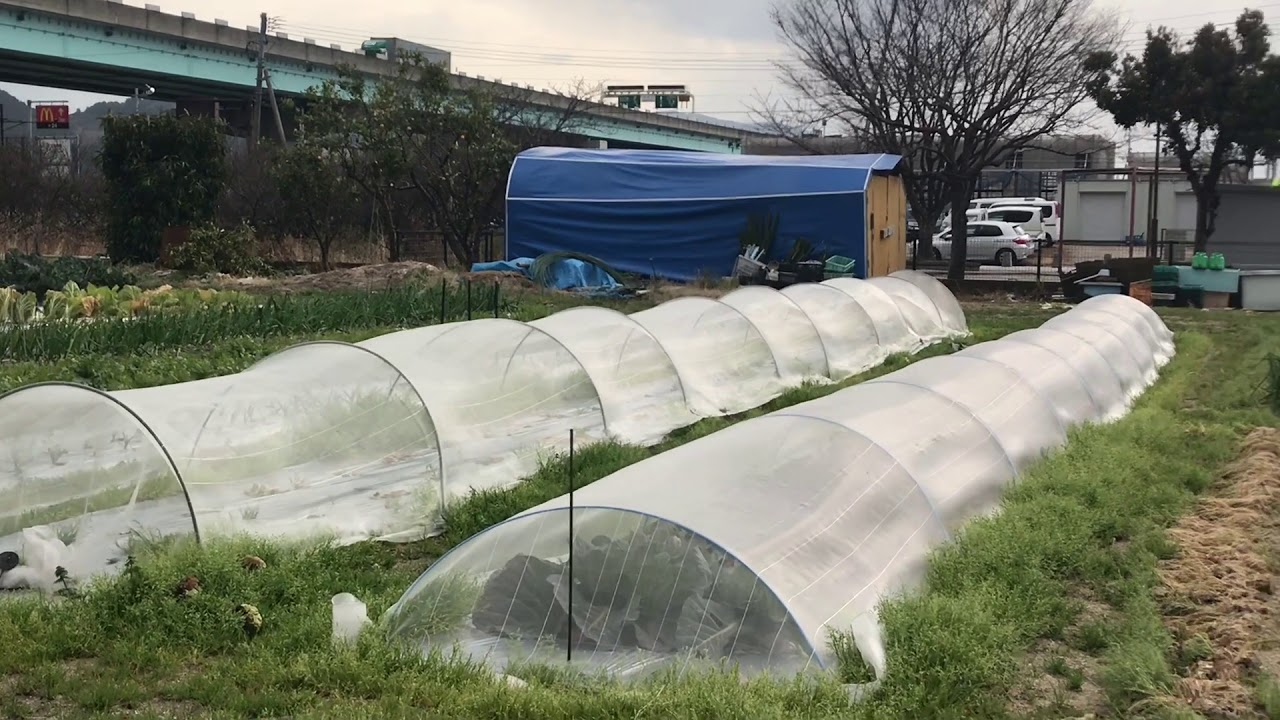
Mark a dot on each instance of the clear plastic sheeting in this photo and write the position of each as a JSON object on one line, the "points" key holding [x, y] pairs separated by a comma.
{"points": [[847, 331], [751, 546], [1119, 346], [324, 438], [1061, 384], [503, 395], [1023, 423], [955, 459], [892, 330], [638, 385], [1091, 366], [724, 361], [801, 356], [90, 495], [949, 309], [921, 314], [1123, 305], [735, 566], [374, 440]]}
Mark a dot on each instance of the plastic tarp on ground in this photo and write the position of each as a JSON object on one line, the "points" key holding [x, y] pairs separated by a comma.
{"points": [[679, 214], [371, 440], [752, 545], [566, 273]]}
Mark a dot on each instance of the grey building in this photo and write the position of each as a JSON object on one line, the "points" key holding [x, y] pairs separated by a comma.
{"points": [[1064, 152], [1032, 170], [1053, 153]]}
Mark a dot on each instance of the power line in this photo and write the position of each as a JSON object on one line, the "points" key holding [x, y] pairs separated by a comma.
{"points": [[552, 54]]}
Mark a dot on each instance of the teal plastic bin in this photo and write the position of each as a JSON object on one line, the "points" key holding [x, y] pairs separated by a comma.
{"points": [[839, 266]]}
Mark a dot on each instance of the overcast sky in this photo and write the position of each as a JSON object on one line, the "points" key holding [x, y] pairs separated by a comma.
{"points": [[721, 49]]}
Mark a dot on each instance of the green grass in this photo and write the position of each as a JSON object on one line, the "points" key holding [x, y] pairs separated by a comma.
{"points": [[148, 367], [1083, 530], [192, 653]]}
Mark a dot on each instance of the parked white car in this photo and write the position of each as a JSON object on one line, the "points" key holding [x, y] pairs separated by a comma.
{"points": [[1025, 216], [989, 241], [1048, 222]]}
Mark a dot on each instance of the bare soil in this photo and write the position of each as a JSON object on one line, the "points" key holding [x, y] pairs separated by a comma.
{"points": [[365, 277], [1045, 691], [1218, 596]]}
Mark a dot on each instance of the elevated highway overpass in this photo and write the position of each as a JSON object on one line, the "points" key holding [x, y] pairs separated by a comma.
{"points": [[109, 47]]}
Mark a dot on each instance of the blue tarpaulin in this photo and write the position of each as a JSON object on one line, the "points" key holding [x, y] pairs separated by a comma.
{"points": [[679, 214], [566, 273]]}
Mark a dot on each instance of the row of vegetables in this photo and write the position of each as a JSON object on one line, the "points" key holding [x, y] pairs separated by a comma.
{"points": [[73, 302]]}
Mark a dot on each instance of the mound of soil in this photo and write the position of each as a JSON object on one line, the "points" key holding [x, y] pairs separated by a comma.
{"points": [[1221, 587], [365, 277]]}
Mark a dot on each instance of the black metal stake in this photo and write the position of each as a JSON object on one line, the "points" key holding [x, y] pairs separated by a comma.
{"points": [[569, 646], [442, 300], [496, 289], [468, 298]]}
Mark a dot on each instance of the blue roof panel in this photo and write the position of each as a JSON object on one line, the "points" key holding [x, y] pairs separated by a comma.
{"points": [[568, 174]]}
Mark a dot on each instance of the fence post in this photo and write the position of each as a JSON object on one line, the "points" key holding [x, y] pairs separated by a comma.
{"points": [[468, 298]]}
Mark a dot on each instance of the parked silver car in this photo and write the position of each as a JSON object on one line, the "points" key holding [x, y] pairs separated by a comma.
{"points": [[989, 241]]}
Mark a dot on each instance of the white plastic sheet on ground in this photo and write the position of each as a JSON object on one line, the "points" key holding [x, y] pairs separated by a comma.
{"points": [[751, 546], [372, 440]]}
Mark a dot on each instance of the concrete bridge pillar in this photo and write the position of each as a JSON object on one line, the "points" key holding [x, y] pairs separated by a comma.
{"points": [[238, 114]]}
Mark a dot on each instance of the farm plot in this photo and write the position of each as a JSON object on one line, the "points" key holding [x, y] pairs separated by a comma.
{"points": [[375, 439]]}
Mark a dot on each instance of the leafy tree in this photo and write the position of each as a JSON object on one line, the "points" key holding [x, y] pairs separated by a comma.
{"points": [[447, 141], [161, 171], [318, 199], [1215, 99], [952, 85]]}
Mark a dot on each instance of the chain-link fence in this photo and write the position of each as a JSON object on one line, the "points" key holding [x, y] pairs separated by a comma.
{"points": [[1045, 262], [1032, 263]]}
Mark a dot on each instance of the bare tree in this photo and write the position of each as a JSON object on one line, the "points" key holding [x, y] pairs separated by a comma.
{"points": [[44, 192], [447, 140], [951, 85]]}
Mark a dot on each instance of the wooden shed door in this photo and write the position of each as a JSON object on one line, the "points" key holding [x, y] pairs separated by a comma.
{"points": [[886, 211]]}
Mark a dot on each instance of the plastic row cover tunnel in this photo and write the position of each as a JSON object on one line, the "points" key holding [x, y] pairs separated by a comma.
{"points": [[752, 545], [370, 440]]}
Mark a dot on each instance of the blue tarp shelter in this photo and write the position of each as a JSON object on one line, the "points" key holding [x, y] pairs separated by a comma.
{"points": [[679, 214]]}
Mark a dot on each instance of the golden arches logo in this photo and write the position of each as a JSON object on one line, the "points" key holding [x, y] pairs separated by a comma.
{"points": [[52, 116]]}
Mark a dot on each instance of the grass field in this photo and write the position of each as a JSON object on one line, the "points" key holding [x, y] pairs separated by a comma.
{"points": [[1054, 608]]}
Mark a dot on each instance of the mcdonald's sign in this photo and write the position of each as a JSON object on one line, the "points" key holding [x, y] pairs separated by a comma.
{"points": [[53, 117]]}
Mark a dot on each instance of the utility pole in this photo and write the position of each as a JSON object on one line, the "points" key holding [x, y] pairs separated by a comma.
{"points": [[275, 108], [255, 120], [1155, 202]]}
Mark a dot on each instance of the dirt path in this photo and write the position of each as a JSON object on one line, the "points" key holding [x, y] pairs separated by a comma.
{"points": [[1218, 595]]}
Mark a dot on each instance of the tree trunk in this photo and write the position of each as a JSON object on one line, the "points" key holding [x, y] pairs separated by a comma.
{"points": [[461, 249], [959, 225], [1206, 215], [925, 230], [324, 245], [392, 237]]}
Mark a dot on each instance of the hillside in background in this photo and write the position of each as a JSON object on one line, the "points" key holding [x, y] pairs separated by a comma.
{"points": [[16, 113]]}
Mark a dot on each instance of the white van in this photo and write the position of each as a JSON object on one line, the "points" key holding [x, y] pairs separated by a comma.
{"points": [[986, 202], [1048, 222]]}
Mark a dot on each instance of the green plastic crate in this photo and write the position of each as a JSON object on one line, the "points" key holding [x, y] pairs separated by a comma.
{"points": [[839, 266]]}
